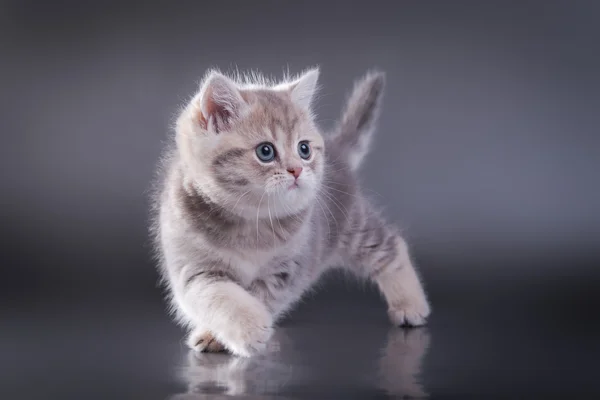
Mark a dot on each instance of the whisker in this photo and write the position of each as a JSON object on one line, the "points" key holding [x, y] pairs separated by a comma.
{"points": [[338, 157], [337, 226], [341, 191], [293, 214], [257, 212], [238, 200], [350, 185], [279, 219], [335, 203], [270, 218], [326, 219], [331, 171]]}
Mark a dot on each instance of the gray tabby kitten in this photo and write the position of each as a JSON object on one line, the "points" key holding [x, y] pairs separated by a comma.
{"points": [[255, 205]]}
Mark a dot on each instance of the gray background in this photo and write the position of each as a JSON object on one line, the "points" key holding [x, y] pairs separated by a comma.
{"points": [[487, 152], [488, 144]]}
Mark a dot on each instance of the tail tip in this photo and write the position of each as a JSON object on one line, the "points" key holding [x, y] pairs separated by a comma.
{"points": [[375, 78]]}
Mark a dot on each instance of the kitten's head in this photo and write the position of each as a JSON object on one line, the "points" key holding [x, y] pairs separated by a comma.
{"points": [[253, 147]]}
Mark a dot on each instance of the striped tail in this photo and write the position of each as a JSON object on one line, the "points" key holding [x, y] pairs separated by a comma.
{"points": [[355, 130]]}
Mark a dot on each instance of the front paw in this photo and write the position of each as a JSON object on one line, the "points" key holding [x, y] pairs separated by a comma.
{"points": [[410, 312], [247, 331], [204, 341]]}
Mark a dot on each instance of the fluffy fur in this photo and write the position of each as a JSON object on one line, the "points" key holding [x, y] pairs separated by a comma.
{"points": [[239, 240]]}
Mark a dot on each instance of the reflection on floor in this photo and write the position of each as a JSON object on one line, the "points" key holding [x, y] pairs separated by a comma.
{"points": [[284, 368], [492, 337]]}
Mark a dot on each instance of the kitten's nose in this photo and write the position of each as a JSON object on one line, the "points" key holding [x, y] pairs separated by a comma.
{"points": [[295, 171]]}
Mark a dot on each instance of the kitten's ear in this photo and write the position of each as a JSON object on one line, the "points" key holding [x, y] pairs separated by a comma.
{"points": [[220, 103], [303, 90]]}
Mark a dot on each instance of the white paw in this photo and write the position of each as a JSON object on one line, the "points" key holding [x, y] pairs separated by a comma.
{"points": [[410, 313], [247, 331], [204, 341]]}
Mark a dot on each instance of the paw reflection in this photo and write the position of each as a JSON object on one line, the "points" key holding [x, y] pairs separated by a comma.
{"points": [[291, 364], [222, 373], [400, 363]]}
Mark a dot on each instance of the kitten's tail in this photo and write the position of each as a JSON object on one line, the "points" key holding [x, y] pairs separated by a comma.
{"points": [[353, 134]]}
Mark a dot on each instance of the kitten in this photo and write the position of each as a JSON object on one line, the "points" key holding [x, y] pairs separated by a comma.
{"points": [[254, 205]]}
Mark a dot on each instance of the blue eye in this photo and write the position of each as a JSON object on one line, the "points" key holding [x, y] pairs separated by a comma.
{"points": [[265, 152], [304, 150]]}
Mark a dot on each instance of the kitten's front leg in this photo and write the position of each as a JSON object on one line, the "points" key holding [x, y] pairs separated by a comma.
{"points": [[221, 309]]}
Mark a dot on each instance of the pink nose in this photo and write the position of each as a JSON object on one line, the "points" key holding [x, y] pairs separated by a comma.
{"points": [[296, 171]]}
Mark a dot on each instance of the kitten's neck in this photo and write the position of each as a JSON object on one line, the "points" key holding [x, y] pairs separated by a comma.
{"points": [[202, 203], [226, 229]]}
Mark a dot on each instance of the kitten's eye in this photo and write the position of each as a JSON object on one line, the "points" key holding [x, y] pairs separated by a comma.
{"points": [[265, 152], [304, 150]]}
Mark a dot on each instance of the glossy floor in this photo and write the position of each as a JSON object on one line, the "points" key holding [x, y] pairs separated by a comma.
{"points": [[493, 337]]}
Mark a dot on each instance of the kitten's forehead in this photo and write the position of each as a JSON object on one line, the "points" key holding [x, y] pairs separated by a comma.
{"points": [[272, 110]]}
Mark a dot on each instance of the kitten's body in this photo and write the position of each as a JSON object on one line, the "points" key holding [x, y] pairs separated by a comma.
{"points": [[235, 259]]}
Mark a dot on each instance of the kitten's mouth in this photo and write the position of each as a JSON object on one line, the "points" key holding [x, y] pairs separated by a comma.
{"points": [[293, 186]]}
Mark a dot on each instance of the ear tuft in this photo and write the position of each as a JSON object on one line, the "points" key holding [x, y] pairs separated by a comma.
{"points": [[303, 90], [220, 102]]}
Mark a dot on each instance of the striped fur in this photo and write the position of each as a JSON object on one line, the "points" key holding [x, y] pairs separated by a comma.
{"points": [[239, 241], [355, 130]]}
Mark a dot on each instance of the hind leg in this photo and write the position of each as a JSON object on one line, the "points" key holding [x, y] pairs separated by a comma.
{"points": [[379, 253], [402, 288]]}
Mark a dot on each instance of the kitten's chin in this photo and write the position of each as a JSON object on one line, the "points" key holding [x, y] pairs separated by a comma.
{"points": [[294, 200]]}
